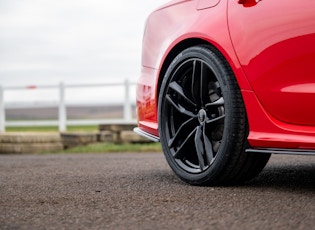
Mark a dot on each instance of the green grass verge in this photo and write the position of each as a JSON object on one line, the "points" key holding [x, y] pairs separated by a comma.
{"points": [[85, 128], [109, 147]]}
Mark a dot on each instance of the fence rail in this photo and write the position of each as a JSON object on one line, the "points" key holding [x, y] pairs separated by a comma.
{"points": [[62, 121]]}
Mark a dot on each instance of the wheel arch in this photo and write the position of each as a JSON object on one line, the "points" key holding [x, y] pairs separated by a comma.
{"points": [[177, 49], [189, 42]]}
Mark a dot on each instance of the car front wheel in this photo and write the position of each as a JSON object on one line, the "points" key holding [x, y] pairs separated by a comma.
{"points": [[202, 121]]}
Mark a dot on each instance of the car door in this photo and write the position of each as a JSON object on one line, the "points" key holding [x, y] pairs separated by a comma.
{"points": [[275, 45]]}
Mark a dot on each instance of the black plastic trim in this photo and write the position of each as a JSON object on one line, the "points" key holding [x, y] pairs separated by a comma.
{"points": [[282, 151], [151, 137]]}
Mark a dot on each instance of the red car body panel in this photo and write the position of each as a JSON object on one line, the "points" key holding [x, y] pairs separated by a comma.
{"points": [[164, 34], [272, 55], [277, 53]]}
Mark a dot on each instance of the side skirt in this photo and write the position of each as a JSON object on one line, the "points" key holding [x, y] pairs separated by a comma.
{"points": [[283, 151]]}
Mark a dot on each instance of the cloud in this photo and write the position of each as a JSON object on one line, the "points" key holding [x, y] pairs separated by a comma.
{"points": [[45, 41]]}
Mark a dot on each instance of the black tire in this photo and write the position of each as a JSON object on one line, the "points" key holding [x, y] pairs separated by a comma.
{"points": [[202, 121]]}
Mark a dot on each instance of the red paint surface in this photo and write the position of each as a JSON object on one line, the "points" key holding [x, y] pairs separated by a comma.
{"points": [[272, 55]]}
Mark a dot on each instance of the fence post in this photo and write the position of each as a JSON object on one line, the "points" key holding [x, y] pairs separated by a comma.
{"points": [[62, 108], [127, 105], [2, 110]]}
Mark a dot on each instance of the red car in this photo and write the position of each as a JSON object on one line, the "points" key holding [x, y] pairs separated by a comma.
{"points": [[226, 83]]}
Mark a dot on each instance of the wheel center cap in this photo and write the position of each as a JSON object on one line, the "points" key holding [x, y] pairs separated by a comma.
{"points": [[202, 116]]}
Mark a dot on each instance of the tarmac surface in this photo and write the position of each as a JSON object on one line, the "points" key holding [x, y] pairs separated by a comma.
{"points": [[139, 191]]}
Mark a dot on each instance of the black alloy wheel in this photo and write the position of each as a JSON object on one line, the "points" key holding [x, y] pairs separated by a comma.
{"points": [[202, 120]]}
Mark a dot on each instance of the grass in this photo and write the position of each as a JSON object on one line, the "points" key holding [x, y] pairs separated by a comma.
{"points": [[85, 128], [110, 147]]}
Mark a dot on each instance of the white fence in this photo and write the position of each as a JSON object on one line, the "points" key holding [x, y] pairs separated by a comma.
{"points": [[62, 121]]}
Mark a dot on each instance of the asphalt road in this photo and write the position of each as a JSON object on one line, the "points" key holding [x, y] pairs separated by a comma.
{"points": [[139, 191]]}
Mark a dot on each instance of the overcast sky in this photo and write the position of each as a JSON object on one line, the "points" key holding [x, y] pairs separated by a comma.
{"points": [[72, 41]]}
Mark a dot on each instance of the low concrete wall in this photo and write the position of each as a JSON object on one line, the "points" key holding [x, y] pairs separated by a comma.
{"points": [[51, 142], [30, 142], [70, 140], [123, 133]]}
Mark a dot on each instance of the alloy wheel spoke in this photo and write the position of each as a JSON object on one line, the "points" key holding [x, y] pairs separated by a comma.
{"points": [[177, 88], [208, 146], [204, 80], [196, 82], [181, 149], [199, 147], [215, 119], [201, 83], [179, 107], [182, 132]]}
